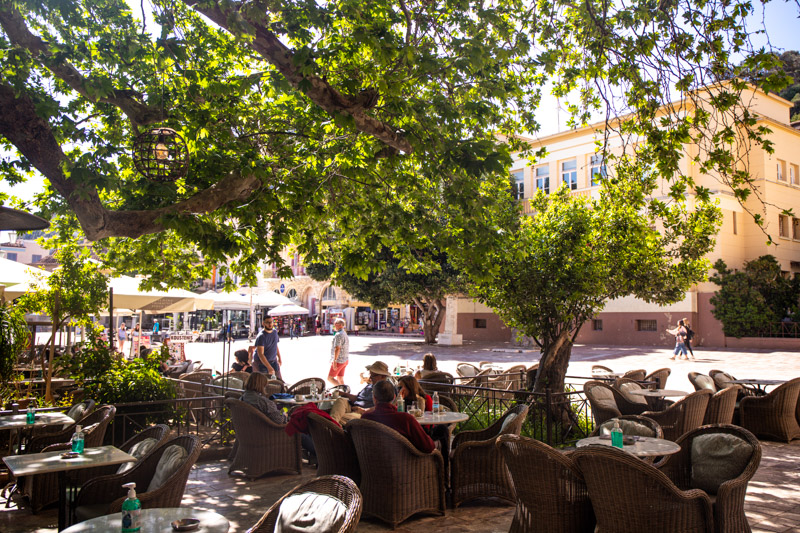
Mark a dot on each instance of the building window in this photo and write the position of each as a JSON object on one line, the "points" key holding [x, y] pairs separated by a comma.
{"points": [[734, 222], [783, 226], [781, 170], [597, 169], [35, 258], [292, 294], [518, 181], [597, 325], [11, 256], [479, 323], [569, 174], [543, 178], [793, 177], [796, 229], [646, 325], [329, 294]]}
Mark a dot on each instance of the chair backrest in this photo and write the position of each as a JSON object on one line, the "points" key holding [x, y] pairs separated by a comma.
{"points": [[339, 487], [659, 376], [556, 498], [197, 377], [636, 375], [437, 381], [481, 379], [721, 406], [341, 388], [640, 496], [335, 451], [304, 386], [628, 425], [80, 409], [721, 379], [601, 370], [95, 424], [625, 386], [275, 386], [239, 375], [172, 488], [701, 381], [602, 401], [511, 421], [158, 432], [691, 410], [467, 370], [447, 402]]}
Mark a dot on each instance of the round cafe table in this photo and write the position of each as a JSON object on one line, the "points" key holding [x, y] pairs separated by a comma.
{"points": [[156, 521], [644, 447], [760, 384], [448, 417], [655, 397]]}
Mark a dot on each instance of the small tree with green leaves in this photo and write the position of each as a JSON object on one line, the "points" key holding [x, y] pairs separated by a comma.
{"points": [[14, 338], [749, 300], [73, 292]]}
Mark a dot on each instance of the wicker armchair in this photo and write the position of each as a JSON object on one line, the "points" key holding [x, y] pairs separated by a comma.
{"points": [[477, 467], [275, 386], [721, 406], [684, 415], [341, 488], [440, 382], [774, 415], [629, 404], [701, 381], [336, 454], [159, 432], [723, 380], [467, 370], [304, 386], [728, 504], [194, 385], [104, 495], [659, 376], [605, 427], [397, 480], [341, 388], [635, 375], [601, 370], [262, 446], [554, 500], [42, 489], [629, 494], [241, 376], [602, 401]]}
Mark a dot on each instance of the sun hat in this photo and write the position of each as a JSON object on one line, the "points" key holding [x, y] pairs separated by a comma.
{"points": [[379, 367]]}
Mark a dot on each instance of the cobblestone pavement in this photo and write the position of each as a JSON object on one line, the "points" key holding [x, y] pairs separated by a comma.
{"points": [[773, 496]]}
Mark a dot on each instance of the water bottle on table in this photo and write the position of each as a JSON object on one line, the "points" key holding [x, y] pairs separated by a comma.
{"points": [[435, 402]]}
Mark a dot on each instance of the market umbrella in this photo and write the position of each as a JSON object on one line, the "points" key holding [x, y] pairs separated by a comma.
{"points": [[128, 295], [13, 273], [270, 299], [16, 220], [288, 309], [228, 300]]}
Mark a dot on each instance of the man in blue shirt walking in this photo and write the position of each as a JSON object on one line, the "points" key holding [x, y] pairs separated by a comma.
{"points": [[267, 358]]}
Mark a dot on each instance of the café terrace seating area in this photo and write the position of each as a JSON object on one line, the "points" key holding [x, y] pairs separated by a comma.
{"points": [[721, 458]]}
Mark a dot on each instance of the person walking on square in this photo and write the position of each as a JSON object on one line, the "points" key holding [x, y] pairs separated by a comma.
{"points": [[122, 335], [340, 353], [267, 359], [689, 337], [680, 340]]}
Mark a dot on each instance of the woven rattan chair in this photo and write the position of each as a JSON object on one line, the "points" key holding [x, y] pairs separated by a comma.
{"points": [[341, 388], [659, 376], [262, 446], [477, 467], [627, 403], [630, 495], [336, 454], [341, 488], [159, 432], [42, 489], [721, 406], [684, 415], [242, 376], [194, 385], [605, 427], [723, 380], [467, 370], [774, 415], [104, 495], [440, 382], [601, 370], [397, 480], [304, 386], [602, 401], [275, 386], [555, 499], [728, 504], [635, 375], [701, 381]]}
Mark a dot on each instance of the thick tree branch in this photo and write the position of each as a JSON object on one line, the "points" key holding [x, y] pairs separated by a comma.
{"points": [[34, 138], [18, 33], [316, 89]]}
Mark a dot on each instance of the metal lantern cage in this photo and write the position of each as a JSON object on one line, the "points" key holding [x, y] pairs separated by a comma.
{"points": [[161, 155]]}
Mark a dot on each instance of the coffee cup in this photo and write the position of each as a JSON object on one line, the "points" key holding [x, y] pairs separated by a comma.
{"points": [[299, 397]]}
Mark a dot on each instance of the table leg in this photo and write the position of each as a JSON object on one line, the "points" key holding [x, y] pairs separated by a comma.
{"points": [[62, 500]]}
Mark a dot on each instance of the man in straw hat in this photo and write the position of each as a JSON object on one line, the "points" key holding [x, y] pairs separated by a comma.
{"points": [[351, 406]]}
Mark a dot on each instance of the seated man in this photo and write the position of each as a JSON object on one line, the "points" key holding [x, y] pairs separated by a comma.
{"points": [[242, 363], [351, 406], [405, 424]]}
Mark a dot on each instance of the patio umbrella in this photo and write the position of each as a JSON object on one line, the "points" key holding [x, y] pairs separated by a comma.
{"points": [[13, 273], [16, 220], [128, 295], [228, 300], [288, 309], [270, 299]]}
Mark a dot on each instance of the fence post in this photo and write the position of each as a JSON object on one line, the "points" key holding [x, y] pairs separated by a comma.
{"points": [[547, 402]]}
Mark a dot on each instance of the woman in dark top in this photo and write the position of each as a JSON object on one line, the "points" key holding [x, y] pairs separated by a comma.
{"points": [[242, 363], [254, 395], [410, 390]]}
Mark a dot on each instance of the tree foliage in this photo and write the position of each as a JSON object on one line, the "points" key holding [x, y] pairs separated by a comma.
{"points": [[393, 283], [304, 118], [749, 300], [575, 253], [14, 337]]}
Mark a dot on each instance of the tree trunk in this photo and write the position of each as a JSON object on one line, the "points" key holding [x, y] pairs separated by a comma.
{"points": [[432, 316], [553, 364]]}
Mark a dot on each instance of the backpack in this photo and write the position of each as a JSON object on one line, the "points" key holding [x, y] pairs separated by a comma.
{"points": [[689, 334]]}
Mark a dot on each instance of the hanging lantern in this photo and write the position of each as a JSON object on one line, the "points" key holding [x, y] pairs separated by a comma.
{"points": [[161, 155]]}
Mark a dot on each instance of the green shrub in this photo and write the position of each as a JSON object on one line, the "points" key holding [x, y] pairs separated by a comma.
{"points": [[132, 381], [88, 360]]}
